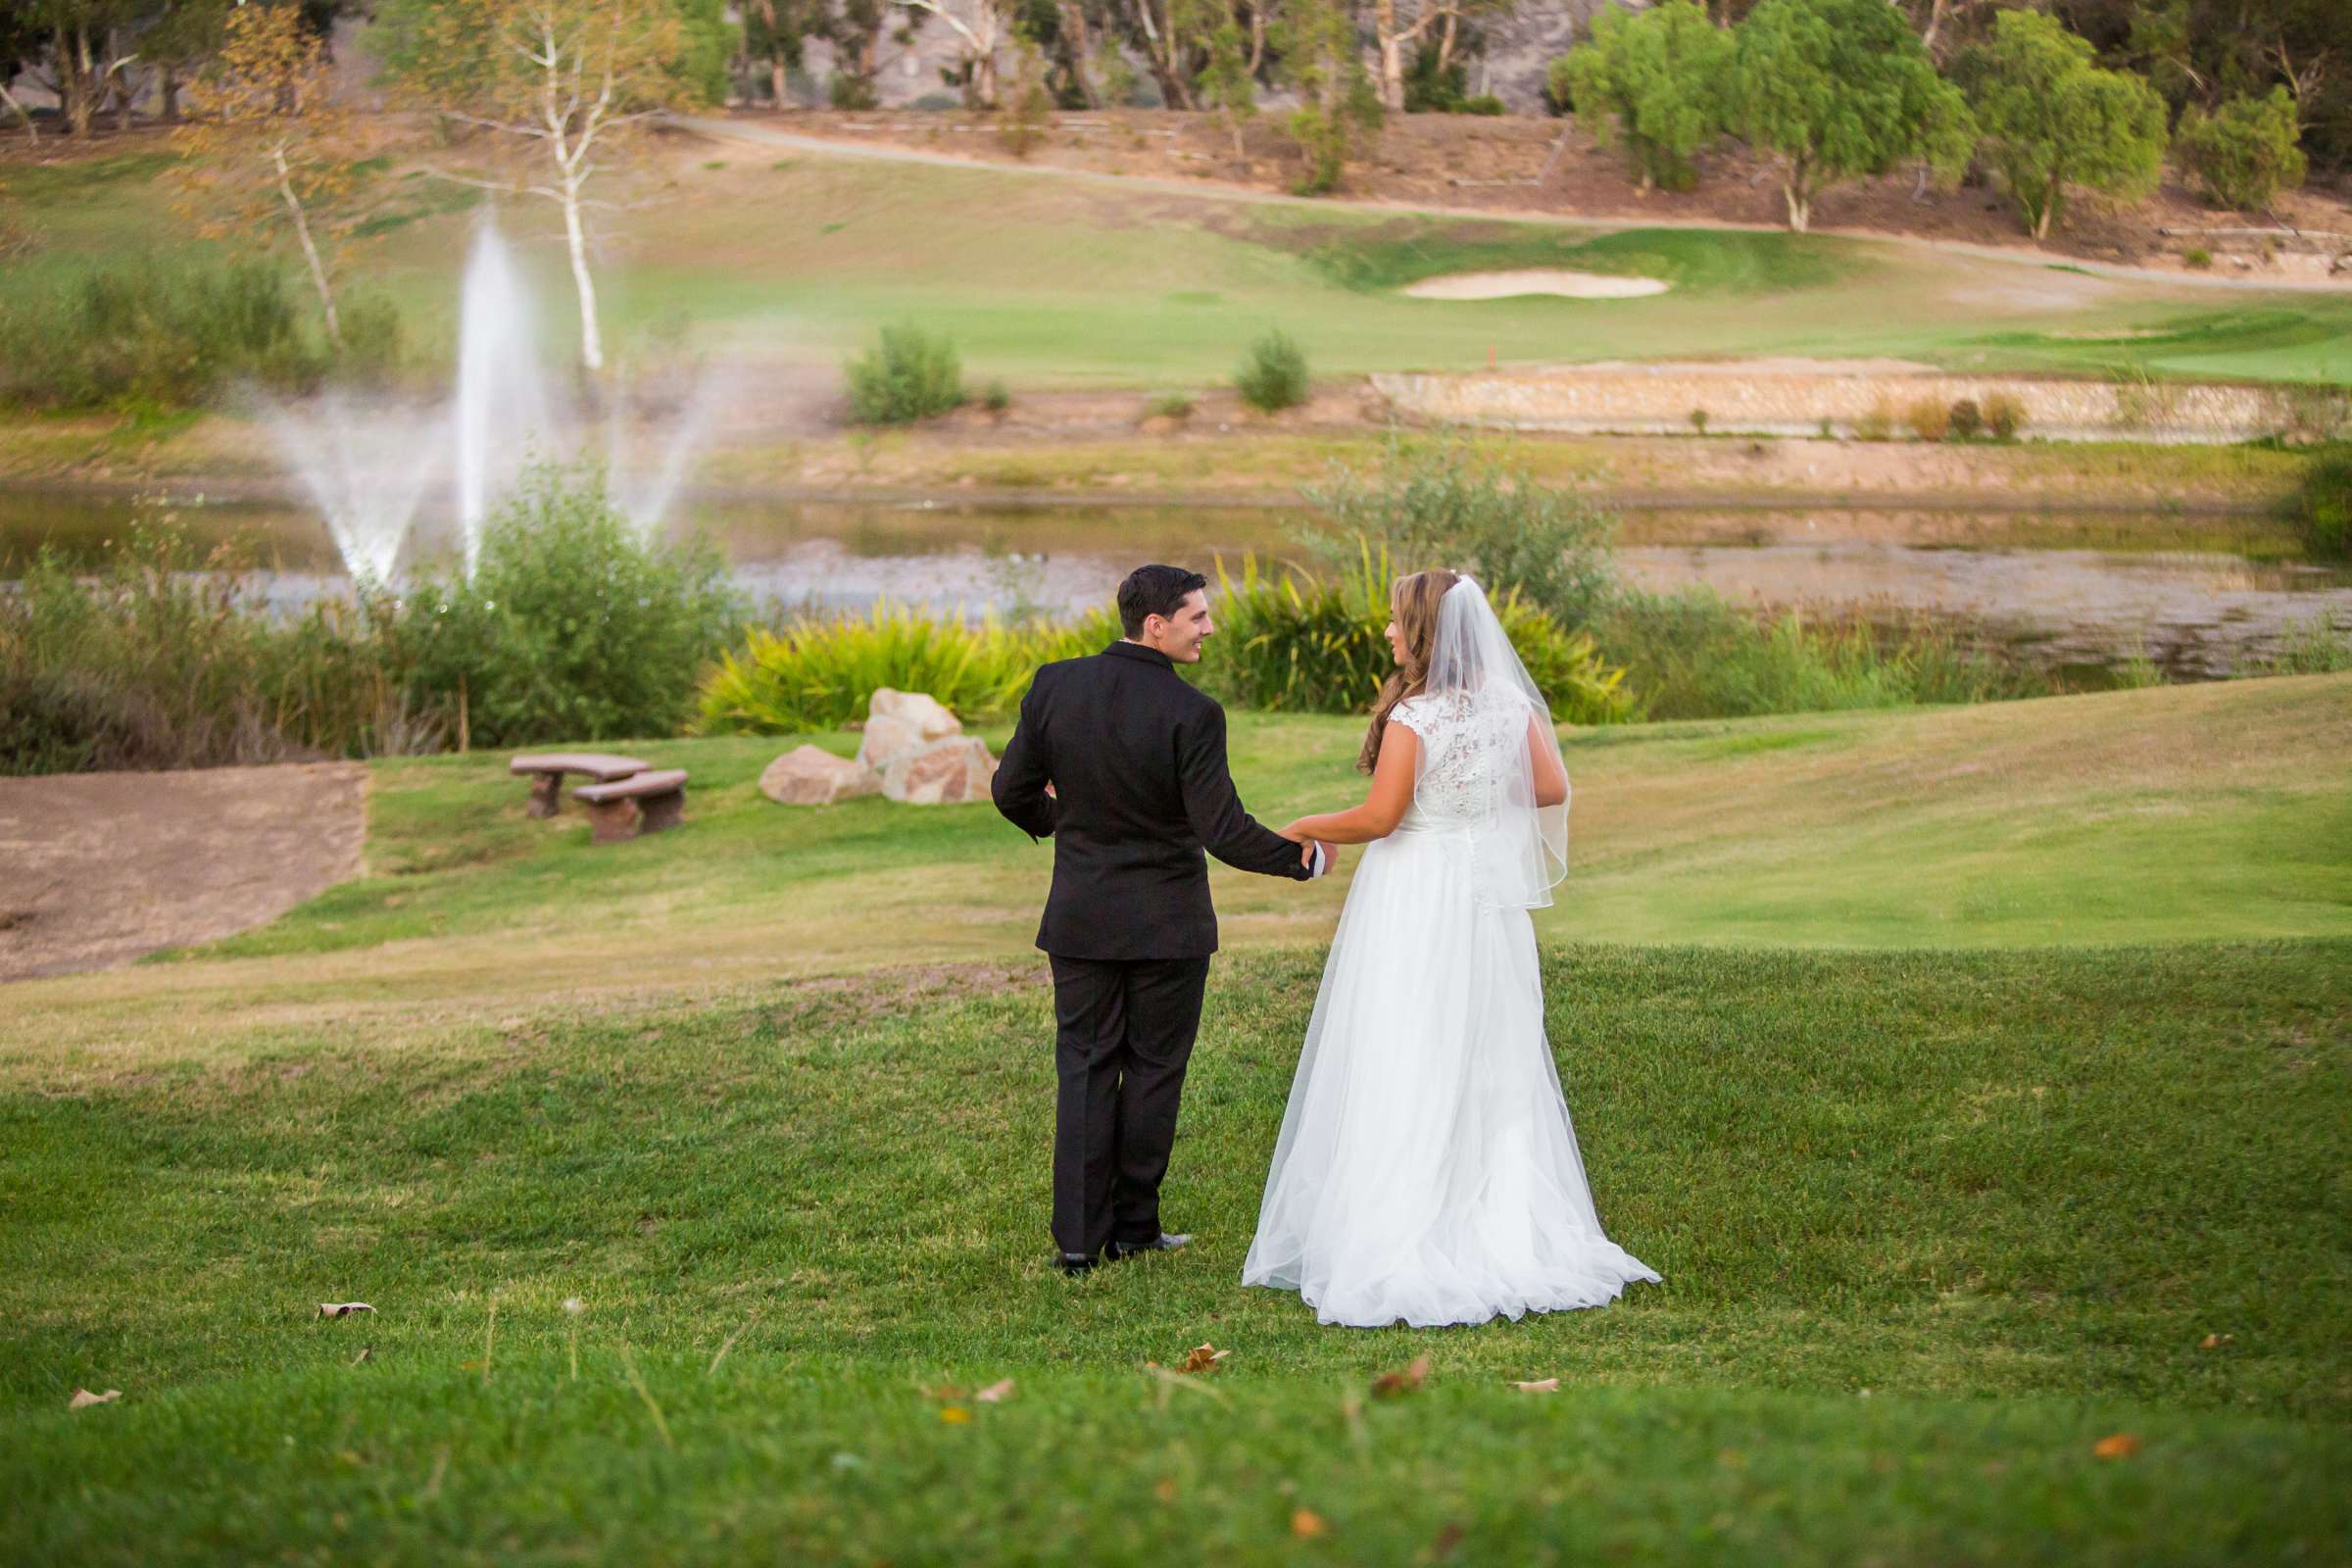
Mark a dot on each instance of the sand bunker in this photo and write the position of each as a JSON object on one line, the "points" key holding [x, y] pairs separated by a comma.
{"points": [[1538, 280]]}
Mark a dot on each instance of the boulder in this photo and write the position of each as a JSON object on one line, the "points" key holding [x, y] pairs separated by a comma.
{"points": [[942, 774], [899, 723], [811, 775]]}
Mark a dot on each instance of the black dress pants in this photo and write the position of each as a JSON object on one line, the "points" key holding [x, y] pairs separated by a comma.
{"points": [[1123, 1035]]}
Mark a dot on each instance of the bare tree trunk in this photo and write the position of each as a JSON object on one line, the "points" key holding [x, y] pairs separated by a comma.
{"points": [[1391, 56], [778, 82], [1798, 193], [1076, 47], [1257, 39], [167, 87], [309, 248], [73, 80], [1159, 51], [1446, 39], [591, 342], [32, 132]]}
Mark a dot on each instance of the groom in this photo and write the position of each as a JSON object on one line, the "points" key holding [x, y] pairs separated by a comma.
{"points": [[1122, 762]]}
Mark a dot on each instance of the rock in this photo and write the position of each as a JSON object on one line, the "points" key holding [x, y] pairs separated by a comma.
{"points": [[811, 775], [902, 722], [942, 774]]}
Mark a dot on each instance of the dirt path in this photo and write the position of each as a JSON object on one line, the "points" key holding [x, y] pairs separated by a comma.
{"points": [[1227, 190], [98, 868]]}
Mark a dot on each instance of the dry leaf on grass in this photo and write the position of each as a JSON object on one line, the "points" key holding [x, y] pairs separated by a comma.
{"points": [[84, 1399], [1540, 1386], [1166, 1490], [1306, 1525], [995, 1392], [2214, 1341], [366, 1354], [342, 1308], [1205, 1358], [1389, 1384], [2115, 1446]]}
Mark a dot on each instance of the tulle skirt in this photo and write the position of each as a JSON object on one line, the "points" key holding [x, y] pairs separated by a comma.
{"points": [[1427, 1170]]}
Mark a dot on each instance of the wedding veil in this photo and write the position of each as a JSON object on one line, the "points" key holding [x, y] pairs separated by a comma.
{"points": [[1521, 847]]}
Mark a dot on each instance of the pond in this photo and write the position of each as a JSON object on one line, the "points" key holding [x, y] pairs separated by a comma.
{"points": [[2195, 612]]}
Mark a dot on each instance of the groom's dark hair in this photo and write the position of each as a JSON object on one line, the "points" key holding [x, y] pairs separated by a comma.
{"points": [[1155, 591]]}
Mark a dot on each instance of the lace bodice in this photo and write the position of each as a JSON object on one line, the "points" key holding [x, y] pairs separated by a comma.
{"points": [[1467, 739]]}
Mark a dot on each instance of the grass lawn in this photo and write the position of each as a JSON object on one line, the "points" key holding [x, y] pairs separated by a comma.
{"points": [[1962, 1071]]}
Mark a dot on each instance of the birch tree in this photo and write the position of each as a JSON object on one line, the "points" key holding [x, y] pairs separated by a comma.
{"points": [[553, 93]]}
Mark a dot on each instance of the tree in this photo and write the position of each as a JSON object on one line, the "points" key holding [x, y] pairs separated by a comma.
{"points": [[560, 87], [775, 32], [270, 142], [1316, 39], [1228, 84], [2247, 154], [1655, 76], [1837, 90], [83, 53], [2052, 118], [980, 35]]}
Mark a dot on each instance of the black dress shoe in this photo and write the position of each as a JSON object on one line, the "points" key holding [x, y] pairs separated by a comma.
{"points": [[1076, 1263], [1162, 1243]]}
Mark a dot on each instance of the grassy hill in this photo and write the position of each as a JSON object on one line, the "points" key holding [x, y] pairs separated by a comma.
{"points": [[1979, 1093]]}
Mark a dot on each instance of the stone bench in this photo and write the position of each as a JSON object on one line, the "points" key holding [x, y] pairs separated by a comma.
{"points": [[643, 803], [545, 772]]}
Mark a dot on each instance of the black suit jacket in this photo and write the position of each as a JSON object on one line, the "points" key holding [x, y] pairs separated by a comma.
{"points": [[1137, 759]]}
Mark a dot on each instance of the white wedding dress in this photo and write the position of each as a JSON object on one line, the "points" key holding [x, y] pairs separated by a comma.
{"points": [[1427, 1169]]}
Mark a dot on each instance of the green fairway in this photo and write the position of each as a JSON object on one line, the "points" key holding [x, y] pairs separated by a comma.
{"points": [[1048, 280]]}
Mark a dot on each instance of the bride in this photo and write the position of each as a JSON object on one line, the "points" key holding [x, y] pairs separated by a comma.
{"points": [[1427, 1168]]}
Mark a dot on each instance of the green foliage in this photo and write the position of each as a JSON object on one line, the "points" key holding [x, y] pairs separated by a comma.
{"points": [[160, 334], [1691, 261], [2321, 511], [167, 658], [1655, 78], [2248, 152], [2052, 120], [1169, 405], [2196, 257], [1965, 419], [2005, 415], [910, 375], [1317, 42], [1468, 505], [572, 627], [1302, 644], [996, 397], [819, 673], [1692, 655], [2319, 646], [1837, 90], [1227, 85], [1021, 123], [848, 90], [1273, 376]]}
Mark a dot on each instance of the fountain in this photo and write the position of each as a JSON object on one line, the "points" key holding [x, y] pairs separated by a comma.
{"points": [[369, 468]]}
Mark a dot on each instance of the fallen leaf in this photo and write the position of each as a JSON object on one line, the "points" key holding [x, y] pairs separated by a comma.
{"points": [[1540, 1386], [366, 1354], [84, 1399], [1205, 1358], [2115, 1446], [1389, 1384], [1306, 1524], [2214, 1341], [995, 1392], [1165, 1491], [954, 1415], [342, 1308]]}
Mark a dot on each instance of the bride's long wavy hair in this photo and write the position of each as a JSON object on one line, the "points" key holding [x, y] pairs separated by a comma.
{"points": [[1413, 604]]}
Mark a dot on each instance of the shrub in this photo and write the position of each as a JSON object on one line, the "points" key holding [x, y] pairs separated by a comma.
{"points": [[2321, 510], [1169, 405], [1966, 419], [1928, 420], [572, 627], [910, 375], [1484, 103], [167, 658], [1023, 124], [1446, 501], [163, 335], [1305, 644], [1273, 376], [2196, 256], [2005, 415], [996, 397], [2314, 646], [819, 673], [2247, 153], [846, 91], [2317, 412], [1878, 425], [1699, 420]]}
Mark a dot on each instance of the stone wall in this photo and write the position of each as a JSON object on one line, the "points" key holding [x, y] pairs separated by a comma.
{"points": [[1662, 398]]}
